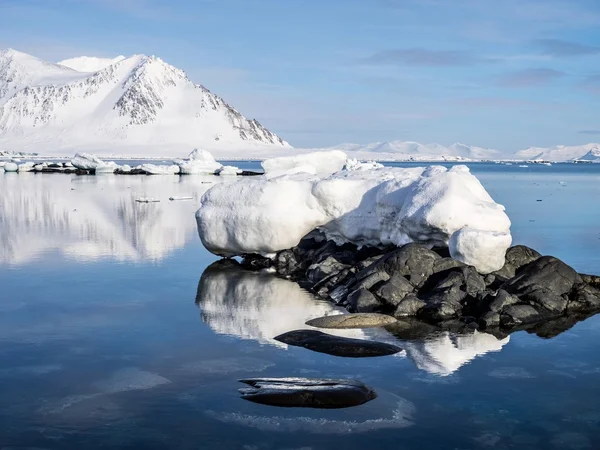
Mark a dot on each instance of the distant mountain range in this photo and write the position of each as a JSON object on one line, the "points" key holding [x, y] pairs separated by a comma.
{"points": [[142, 106], [137, 104]]}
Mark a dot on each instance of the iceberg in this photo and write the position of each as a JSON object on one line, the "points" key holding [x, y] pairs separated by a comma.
{"points": [[377, 207], [87, 161], [10, 167], [25, 167], [153, 169], [229, 170], [199, 162]]}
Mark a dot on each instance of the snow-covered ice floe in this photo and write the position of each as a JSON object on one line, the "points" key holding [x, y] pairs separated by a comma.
{"points": [[230, 170], [199, 162], [317, 163], [153, 169], [435, 206], [10, 167]]}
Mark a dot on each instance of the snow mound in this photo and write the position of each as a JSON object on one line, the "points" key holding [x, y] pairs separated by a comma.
{"points": [[90, 63], [319, 163], [377, 207], [355, 164], [87, 161], [230, 170], [199, 162]]}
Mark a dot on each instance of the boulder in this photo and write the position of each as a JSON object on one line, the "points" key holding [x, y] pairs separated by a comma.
{"points": [[517, 257], [409, 306], [307, 392], [324, 270], [394, 290], [362, 301], [545, 282], [359, 320], [516, 315], [336, 345]]}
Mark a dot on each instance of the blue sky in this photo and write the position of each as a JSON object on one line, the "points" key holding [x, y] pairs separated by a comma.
{"points": [[506, 74]]}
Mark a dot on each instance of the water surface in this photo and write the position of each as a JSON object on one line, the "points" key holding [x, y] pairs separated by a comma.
{"points": [[113, 334]]}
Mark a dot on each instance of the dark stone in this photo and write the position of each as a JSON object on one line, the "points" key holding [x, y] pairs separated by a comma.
{"points": [[335, 345], [409, 306], [444, 264], [321, 271], [517, 257], [307, 392], [592, 280], [394, 290], [544, 282], [250, 173], [285, 263], [362, 301], [501, 300], [490, 319], [371, 280], [516, 315], [583, 297]]}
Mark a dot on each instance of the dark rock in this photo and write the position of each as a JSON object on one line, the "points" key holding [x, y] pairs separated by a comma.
{"points": [[321, 271], [413, 261], [335, 345], [409, 306], [307, 392], [444, 264], [489, 279], [516, 315], [362, 301], [394, 290], [490, 319], [360, 320], [501, 300], [250, 173], [544, 282], [517, 257], [285, 263], [583, 297], [592, 280]]}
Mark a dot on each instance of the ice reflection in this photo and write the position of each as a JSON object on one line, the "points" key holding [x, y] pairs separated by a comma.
{"points": [[92, 217], [258, 306]]}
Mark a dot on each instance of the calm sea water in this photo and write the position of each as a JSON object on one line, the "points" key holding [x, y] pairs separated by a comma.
{"points": [[113, 335]]}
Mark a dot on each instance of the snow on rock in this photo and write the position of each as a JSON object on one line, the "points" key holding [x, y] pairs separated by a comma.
{"points": [[320, 163], [10, 167], [199, 162], [230, 170], [355, 164], [87, 161], [374, 207], [153, 169], [90, 63]]}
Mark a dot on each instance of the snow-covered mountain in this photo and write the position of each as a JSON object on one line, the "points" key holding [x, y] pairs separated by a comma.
{"points": [[136, 105], [587, 152], [408, 150]]}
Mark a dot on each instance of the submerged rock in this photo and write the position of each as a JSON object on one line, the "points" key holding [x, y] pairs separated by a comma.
{"points": [[362, 320], [336, 345], [307, 392]]}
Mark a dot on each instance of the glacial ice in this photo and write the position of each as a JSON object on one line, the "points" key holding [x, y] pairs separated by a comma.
{"points": [[435, 206], [153, 169], [10, 167], [86, 161], [199, 162], [229, 170]]}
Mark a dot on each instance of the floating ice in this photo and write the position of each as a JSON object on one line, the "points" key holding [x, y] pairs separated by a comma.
{"points": [[376, 207], [153, 169], [26, 167], [199, 162], [87, 161], [229, 170], [10, 167], [355, 164]]}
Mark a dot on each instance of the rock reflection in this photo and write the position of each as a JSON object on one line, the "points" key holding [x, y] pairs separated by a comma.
{"points": [[259, 306], [87, 218]]}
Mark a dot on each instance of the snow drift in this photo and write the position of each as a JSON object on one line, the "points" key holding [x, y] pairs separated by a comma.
{"points": [[377, 207]]}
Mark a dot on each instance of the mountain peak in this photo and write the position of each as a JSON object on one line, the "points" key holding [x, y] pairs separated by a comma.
{"points": [[137, 101]]}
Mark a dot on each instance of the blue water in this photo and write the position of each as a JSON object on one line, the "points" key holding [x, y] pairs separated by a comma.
{"points": [[112, 335]]}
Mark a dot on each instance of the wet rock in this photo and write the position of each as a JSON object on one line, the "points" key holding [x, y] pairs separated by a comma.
{"points": [[360, 320], [335, 345], [363, 301], [517, 257], [501, 300], [592, 280], [285, 263], [584, 297], [307, 392], [444, 264], [544, 282], [490, 319], [409, 306], [394, 290], [323, 270], [516, 315]]}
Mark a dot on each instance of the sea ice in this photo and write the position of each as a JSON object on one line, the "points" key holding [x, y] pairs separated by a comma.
{"points": [[26, 167], [229, 170], [153, 169], [87, 161], [372, 207], [355, 164], [10, 167], [199, 162]]}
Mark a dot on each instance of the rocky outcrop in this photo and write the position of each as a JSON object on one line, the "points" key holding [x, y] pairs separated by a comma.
{"points": [[414, 281]]}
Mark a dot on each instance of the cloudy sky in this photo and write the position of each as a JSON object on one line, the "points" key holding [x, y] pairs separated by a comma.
{"points": [[504, 74]]}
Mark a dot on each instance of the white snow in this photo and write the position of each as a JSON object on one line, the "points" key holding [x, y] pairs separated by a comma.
{"points": [[26, 167], [355, 164], [87, 161], [10, 167], [199, 162], [590, 152], [319, 163], [374, 207], [89, 63]]}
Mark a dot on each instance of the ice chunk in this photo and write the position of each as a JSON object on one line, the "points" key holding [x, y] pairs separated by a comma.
{"points": [[199, 162], [153, 169], [26, 167], [374, 207], [87, 161], [321, 163], [10, 167], [229, 170]]}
